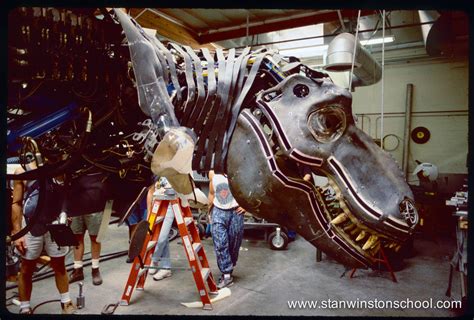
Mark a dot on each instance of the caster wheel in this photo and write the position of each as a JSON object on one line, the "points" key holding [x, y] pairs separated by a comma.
{"points": [[278, 242]]}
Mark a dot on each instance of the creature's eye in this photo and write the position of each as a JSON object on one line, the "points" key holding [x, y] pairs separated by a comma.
{"points": [[327, 124]]}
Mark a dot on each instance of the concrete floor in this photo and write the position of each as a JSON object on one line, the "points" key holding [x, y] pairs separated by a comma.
{"points": [[264, 282]]}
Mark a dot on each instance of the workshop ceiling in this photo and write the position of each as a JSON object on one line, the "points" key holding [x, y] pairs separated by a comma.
{"points": [[196, 27], [298, 29]]}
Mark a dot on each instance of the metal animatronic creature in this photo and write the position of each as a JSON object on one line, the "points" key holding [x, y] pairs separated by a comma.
{"points": [[242, 113]]}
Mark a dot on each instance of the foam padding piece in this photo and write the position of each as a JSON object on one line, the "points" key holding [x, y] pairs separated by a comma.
{"points": [[138, 239], [223, 293]]}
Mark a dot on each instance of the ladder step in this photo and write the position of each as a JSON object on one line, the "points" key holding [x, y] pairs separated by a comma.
{"points": [[159, 219], [150, 245], [141, 272], [205, 273], [188, 220], [197, 246]]}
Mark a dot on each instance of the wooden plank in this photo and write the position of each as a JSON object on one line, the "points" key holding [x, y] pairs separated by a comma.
{"points": [[168, 29], [104, 224]]}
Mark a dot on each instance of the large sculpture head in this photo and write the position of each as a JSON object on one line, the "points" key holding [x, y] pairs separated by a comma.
{"points": [[307, 123]]}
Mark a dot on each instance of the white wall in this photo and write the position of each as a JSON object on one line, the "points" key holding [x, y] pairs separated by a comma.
{"points": [[437, 86]]}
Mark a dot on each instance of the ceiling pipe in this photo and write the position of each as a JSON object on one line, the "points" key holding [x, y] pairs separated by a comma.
{"points": [[367, 70], [426, 16], [341, 20], [406, 134]]}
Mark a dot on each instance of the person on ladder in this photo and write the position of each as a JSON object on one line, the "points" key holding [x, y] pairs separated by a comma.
{"points": [[227, 219], [161, 255]]}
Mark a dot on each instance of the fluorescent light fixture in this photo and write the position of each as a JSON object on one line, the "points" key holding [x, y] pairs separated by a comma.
{"points": [[377, 41], [305, 52]]}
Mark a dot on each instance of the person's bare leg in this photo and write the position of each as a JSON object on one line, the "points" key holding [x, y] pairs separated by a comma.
{"points": [[62, 283], [95, 253], [59, 268], [95, 247], [79, 250], [25, 283], [78, 274]]}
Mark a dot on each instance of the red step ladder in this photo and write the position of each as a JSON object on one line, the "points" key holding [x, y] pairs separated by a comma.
{"points": [[191, 242]]}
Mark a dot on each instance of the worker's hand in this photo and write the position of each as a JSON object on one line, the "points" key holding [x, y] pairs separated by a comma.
{"points": [[20, 245], [240, 210]]}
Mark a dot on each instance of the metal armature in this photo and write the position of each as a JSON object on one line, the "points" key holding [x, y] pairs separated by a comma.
{"points": [[264, 122]]}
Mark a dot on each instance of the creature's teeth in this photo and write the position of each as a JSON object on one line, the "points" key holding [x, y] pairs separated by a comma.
{"points": [[375, 244], [393, 244], [376, 248], [349, 227], [367, 244], [361, 235], [398, 247], [339, 219], [372, 239], [355, 231]]}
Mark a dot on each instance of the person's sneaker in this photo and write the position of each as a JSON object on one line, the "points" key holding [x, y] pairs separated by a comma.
{"points": [[161, 274], [26, 311], [225, 280], [76, 275], [96, 278], [153, 271], [68, 308]]}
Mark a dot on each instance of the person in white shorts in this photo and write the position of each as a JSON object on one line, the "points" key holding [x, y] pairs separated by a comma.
{"points": [[30, 246], [79, 225]]}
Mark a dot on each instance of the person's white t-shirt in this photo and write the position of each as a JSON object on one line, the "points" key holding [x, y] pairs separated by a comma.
{"points": [[223, 198]]}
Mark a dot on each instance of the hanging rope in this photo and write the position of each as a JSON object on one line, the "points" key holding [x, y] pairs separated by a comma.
{"points": [[382, 93], [247, 30], [351, 74]]}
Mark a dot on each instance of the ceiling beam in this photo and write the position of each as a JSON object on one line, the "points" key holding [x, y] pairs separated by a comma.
{"points": [[290, 22], [167, 28]]}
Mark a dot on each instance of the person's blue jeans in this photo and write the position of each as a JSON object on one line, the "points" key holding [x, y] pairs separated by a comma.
{"points": [[227, 232], [161, 255]]}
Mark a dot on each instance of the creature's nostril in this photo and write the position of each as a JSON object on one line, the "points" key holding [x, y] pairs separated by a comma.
{"points": [[409, 212], [301, 90]]}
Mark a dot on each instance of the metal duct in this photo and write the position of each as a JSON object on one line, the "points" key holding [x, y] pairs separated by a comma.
{"points": [[367, 70], [447, 34], [425, 17]]}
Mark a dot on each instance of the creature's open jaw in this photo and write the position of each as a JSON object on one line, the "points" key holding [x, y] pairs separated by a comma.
{"points": [[361, 237], [348, 222], [327, 217]]}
